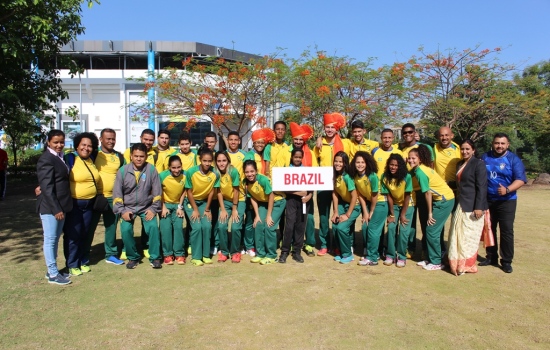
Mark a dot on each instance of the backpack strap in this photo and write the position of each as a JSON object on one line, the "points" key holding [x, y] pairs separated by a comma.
{"points": [[69, 160]]}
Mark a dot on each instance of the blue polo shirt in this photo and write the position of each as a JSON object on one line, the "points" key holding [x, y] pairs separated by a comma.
{"points": [[503, 171]]}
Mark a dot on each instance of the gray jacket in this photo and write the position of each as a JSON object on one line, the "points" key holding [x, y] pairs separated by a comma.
{"points": [[137, 196]]}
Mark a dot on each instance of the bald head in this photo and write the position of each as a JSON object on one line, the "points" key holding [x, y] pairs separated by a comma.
{"points": [[445, 136]]}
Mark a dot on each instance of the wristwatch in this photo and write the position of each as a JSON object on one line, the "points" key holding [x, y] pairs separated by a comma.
{"points": [[507, 190]]}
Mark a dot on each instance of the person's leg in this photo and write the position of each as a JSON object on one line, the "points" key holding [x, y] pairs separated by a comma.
{"points": [[422, 206], [300, 226], [222, 228], [177, 225], [343, 231], [215, 240], [110, 221], [495, 212], [166, 234], [206, 231], [87, 233], [310, 225], [259, 231], [195, 235], [152, 230], [324, 202], [376, 225], [52, 231], [271, 231], [404, 233], [392, 234], [73, 229], [237, 229], [508, 215], [440, 212], [411, 244], [249, 231], [127, 233], [293, 206], [443, 246]]}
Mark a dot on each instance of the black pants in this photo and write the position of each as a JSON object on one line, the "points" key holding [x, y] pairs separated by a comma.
{"points": [[295, 225], [2, 183], [503, 214]]}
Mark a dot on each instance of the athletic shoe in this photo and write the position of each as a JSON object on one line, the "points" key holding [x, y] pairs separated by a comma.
{"points": [[256, 259], [298, 258], [388, 261], [189, 251], [236, 258], [422, 263], [197, 262], [132, 264], [433, 267], [337, 258], [267, 261], [146, 253], [85, 268], [60, 280], [114, 260], [322, 251], [207, 261], [64, 275], [213, 251], [282, 258], [180, 260], [337, 252], [251, 252], [243, 252], [400, 263], [123, 256], [75, 271], [169, 260], [221, 257], [346, 260], [409, 254], [156, 264], [367, 262], [309, 250]]}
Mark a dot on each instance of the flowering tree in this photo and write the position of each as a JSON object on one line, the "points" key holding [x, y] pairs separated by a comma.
{"points": [[231, 95]]}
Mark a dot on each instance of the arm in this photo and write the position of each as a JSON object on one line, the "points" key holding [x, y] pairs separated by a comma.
{"points": [[352, 202], [223, 213], [364, 210], [403, 217], [428, 195], [334, 217], [235, 205], [307, 197], [480, 178], [180, 212], [268, 220], [391, 215], [373, 202], [195, 216], [256, 212], [46, 179], [156, 191], [207, 212]]}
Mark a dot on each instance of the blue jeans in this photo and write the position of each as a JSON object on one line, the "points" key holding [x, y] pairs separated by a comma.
{"points": [[77, 227], [52, 232]]}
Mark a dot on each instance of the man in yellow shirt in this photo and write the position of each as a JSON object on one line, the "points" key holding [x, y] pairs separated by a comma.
{"points": [[358, 141], [447, 155], [185, 153], [107, 162], [279, 150], [163, 150], [382, 153]]}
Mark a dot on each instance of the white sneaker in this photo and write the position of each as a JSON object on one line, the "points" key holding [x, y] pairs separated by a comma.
{"points": [[213, 251], [251, 252], [433, 267], [422, 263], [352, 251], [243, 252]]}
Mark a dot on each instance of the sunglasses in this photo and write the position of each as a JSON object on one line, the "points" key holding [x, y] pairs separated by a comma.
{"points": [[408, 132]]}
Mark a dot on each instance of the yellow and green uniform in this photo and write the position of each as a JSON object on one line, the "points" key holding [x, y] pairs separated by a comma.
{"points": [[152, 157], [366, 185], [265, 236], [253, 155], [162, 156], [171, 226], [202, 184], [187, 160], [405, 151], [381, 157], [325, 157], [426, 179], [107, 165], [351, 146], [343, 186], [446, 160], [397, 244], [277, 154], [228, 182]]}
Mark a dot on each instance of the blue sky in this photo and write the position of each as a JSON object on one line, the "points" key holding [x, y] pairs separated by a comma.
{"points": [[388, 30]]}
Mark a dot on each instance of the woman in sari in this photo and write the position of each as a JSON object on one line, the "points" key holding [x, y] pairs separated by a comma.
{"points": [[468, 221]]}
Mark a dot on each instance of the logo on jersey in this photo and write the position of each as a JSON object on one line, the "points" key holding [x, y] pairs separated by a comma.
{"points": [[502, 166]]}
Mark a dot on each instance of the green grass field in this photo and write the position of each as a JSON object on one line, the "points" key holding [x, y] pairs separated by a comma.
{"points": [[319, 304]]}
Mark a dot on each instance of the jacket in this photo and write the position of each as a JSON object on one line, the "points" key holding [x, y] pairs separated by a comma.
{"points": [[137, 195], [53, 178], [472, 187]]}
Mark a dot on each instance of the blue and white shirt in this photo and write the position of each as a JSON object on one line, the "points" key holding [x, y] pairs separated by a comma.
{"points": [[503, 171]]}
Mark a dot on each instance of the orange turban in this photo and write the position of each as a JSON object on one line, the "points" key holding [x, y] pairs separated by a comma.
{"points": [[306, 132], [335, 119], [265, 134]]}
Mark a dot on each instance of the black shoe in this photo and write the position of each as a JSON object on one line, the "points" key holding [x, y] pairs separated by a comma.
{"points": [[489, 261], [507, 268], [132, 264], [156, 264], [282, 258], [297, 258]]}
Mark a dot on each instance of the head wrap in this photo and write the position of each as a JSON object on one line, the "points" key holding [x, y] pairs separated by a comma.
{"points": [[338, 121]]}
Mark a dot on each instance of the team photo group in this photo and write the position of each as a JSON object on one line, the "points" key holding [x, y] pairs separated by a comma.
{"points": [[200, 206]]}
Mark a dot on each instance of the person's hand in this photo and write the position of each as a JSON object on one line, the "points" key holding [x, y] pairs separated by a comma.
{"points": [[390, 219], [343, 217], [196, 216], [180, 213], [431, 220], [256, 221], [478, 214], [208, 215], [319, 142], [306, 199], [165, 212], [149, 215], [59, 216], [334, 218], [269, 221], [235, 216], [223, 216], [365, 219], [501, 190], [37, 191], [403, 220], [127, 216]]}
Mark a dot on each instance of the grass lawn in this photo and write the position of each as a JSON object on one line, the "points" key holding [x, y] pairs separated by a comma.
{"points": [[319, 304]]}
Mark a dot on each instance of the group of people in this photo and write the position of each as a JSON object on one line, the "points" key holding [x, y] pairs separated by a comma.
{"points": [[227, 201]]}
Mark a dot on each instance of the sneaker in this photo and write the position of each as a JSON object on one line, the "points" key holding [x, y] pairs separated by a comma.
{"points": [[189, 251], [337, 258], [123, 256], [251, 252], [132, 264], [213, 251], [256, 259], [322, 251], [243, 252], [197, 262], [85, 268], [59, 279], [422, 263], [346, 260], [267, 261], [207, 261], [298, 258], [432, 267], [409, 254], [400, 263], [337, 252], [75, 271], [236, 258], [65, 275], [221, 257], [146, 253], [180, 260], [309, 250], [114, 260], [282, 258], [169, 260], [156, 264], [388, 261], [367, 262]]}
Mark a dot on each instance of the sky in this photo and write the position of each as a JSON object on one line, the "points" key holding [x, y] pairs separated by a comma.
{"points": [[387, 30]]}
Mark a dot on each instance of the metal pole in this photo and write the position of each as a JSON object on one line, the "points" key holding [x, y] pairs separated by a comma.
{"points": [[151, 91]]}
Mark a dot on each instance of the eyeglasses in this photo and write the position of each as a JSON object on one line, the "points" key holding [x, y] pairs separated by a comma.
{"points": [[408, 132]]}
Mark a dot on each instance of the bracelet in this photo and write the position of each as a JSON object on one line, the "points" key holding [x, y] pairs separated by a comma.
{"points": [[180, 207], [207, 211], [391, 216], [235, 204]]}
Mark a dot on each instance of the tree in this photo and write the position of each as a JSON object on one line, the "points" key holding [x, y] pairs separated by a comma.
{"points": [[231, 95], [23, 131], [468, 91], [32, 33], [321, 84]]}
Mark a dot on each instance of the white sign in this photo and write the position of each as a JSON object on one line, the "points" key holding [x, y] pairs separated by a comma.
{"points": [[302, 178]]}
